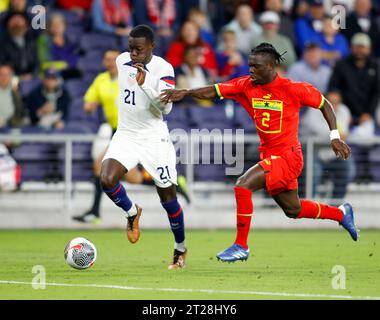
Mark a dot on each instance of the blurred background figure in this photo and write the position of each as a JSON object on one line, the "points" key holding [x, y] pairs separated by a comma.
{"points": [[11, 106], [55, 50], [18, 46], [49, 103], [334, 45], [190, 35], [307, 25], [245, 28], [231, 62], [357, 77], [311, 69], [363, 19], [162, 17], [190, 74], [200, 18], [112, 17], [326, 165], [270, 22], [286, 27]]}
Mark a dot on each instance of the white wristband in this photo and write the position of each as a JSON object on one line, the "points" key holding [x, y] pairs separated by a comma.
{"points": [[334, 134]]}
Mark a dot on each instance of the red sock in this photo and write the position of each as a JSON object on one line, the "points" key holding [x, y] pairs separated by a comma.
{"points": [[316, 210], [244, 212]]}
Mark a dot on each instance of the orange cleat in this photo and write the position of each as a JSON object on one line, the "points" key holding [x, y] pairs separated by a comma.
{"points": [[133, 230], [178, 260]]}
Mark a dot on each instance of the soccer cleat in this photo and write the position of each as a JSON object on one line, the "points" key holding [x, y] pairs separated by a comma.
{"points": [[88, 217], [178, 260], [348, 222], [133, 230], [233, 253], [182, 188]]}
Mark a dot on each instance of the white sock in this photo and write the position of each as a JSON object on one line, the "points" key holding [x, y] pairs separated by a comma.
{"points": [[131, 212], [180, 246]]}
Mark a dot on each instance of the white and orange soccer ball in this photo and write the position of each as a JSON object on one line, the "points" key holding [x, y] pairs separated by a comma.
{"points": [[80, 253]]}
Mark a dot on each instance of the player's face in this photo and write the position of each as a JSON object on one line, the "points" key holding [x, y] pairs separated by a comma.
{"points": [[261, 69], [140, 49]]}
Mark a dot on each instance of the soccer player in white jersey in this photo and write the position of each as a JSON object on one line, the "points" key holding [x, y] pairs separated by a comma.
{"points": [[143, 137]]}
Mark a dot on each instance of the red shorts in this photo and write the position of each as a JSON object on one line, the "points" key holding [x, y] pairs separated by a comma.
{"points": [[282, 170]]}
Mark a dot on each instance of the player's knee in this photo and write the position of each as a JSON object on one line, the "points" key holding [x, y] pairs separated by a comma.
{"points": [[292, 212], [242, 182], [108, 182]]}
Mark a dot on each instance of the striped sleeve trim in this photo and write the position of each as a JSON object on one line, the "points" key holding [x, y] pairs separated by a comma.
{"points": [[217, 89], [322, 102]]}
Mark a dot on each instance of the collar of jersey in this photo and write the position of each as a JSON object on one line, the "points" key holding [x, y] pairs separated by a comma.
{"points": [[130, 63]]}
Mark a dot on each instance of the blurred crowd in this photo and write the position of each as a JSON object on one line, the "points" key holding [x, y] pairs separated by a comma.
{"points": [[46, 72]]}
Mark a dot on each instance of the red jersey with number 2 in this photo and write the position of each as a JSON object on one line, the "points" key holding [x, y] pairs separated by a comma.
{"points": [[274, 107]]}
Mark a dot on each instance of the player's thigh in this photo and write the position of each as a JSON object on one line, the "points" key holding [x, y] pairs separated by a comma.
{"points": [[289, 202], [111, 173], [253, 179]]}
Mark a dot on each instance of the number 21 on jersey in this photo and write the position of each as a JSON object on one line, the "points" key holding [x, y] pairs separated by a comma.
{"points": [[129, 97]]}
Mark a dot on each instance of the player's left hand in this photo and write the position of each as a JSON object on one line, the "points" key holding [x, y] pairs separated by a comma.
{"points": [[341, 149], [140, 76]]}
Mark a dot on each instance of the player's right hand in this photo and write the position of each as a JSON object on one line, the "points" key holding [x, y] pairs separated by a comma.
{"points": [[172, 95]]}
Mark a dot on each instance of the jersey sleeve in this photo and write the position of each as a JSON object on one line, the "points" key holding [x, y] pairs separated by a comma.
{"points": [[308, 95], [92, 92], [230, 89]]}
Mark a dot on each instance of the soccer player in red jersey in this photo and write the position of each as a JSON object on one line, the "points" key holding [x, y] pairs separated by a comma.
{"points": [[273, 103]]}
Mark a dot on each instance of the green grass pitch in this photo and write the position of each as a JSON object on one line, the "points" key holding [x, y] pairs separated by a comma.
{"points": [[284, 264]]}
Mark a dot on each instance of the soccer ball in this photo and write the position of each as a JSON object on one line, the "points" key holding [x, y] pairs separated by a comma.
{"points": [[80, 253]]}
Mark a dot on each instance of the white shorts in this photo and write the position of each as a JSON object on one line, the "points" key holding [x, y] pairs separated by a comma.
{"points": [[156, 154]]}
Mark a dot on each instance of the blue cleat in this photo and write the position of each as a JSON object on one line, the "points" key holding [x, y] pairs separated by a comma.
{"points": [[233, 253], [348, 220]]}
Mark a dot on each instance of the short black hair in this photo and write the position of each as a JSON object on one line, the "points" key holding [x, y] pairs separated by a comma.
{"points": [[142, 31], [268, 50]]}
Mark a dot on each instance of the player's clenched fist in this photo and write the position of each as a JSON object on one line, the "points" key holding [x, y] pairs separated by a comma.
{"points": [[140, 76]]}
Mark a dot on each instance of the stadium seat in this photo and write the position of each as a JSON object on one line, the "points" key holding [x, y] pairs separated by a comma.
{"points": [[97, 41], [374, 158], [243, 120], [77, 87], [210, 172], [27, 86]]}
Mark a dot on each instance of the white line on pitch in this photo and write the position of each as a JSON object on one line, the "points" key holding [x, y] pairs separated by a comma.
{"points": [[210, 291]]}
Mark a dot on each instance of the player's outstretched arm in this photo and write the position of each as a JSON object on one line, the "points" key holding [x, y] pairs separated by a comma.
{"points": [[341, 149], [173, 95]]}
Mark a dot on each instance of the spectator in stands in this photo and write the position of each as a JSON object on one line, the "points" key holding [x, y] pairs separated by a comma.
{"points": [[307, 26], [200, 18], [245, 28], [11, 106], [162, 16], [190, 35], [286, 24], [56, 51], [49, 103], [18, 46], [190, 74], [231, 62], [80, 6], [334, 45], [112, 17], [311, 69], [325, 163], [270, 22], [357, 77], [363, 20]]}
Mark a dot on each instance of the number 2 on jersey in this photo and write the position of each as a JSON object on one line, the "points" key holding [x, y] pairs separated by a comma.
{"points": [[265, 119], [130, 97]]}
